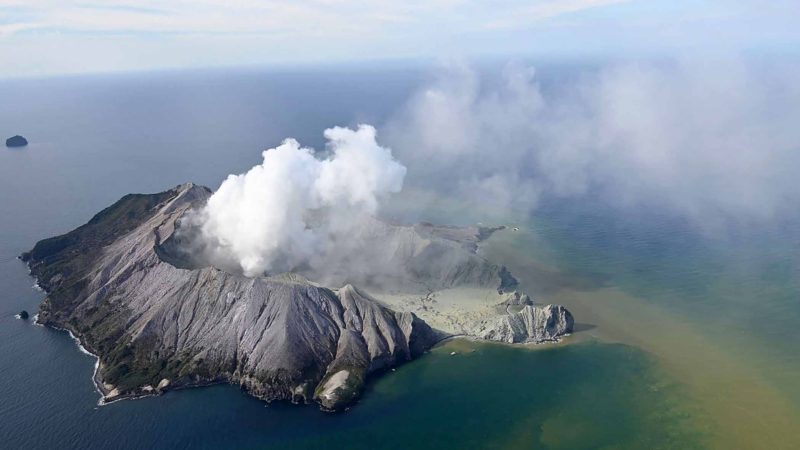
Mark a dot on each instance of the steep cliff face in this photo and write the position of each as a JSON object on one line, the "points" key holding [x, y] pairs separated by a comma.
{"points": [[532, 323], [153, 324]]}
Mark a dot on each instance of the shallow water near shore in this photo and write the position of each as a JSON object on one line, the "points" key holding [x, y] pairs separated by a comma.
{"points": [[682, 341]]}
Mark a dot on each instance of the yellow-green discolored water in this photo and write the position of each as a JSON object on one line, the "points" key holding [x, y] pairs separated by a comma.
{"points": [[738, 384]]}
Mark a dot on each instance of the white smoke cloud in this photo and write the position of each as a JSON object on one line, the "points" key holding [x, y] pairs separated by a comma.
{"points": [[293, 208], [712, 139]]}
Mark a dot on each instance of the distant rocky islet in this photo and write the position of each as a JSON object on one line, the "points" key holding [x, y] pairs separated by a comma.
{"points": [[16, 141]]}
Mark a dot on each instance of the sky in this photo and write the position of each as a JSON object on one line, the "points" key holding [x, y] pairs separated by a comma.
{"points": [[51, 37]]}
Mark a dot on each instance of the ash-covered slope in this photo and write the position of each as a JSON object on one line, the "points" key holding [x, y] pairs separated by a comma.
{"points": [[417, 258], [154, 325]]}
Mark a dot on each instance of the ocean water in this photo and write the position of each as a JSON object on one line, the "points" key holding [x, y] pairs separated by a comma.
{"points": [[719, 312], [656, 303]]}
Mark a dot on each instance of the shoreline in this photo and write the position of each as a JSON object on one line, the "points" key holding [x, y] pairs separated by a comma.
{"points": [[486, 304], [103, 401], [82, 347], [528, 345], [97, 384]]}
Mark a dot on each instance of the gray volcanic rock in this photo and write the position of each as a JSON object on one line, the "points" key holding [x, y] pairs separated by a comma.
{"points": [[16, 141], [531, 324], [151, 323], [517, 299]]}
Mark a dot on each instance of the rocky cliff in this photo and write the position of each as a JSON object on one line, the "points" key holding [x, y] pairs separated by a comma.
{"points": [[532, 323]]}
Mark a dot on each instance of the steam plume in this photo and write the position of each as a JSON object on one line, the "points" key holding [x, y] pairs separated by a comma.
{"points": [[293, 207]]}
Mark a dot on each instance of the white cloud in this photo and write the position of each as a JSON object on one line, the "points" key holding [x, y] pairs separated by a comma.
{"points": [[329, 17], [68, 36], [212, 16], [537, 12]]}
